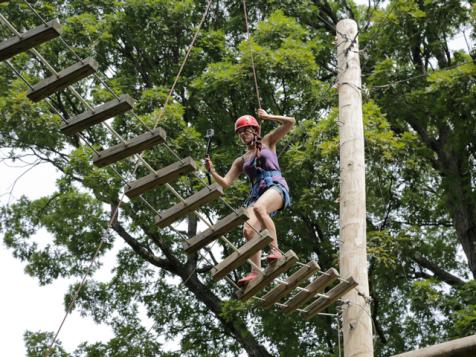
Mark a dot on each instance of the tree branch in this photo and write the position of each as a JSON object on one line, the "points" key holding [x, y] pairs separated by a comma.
{"points": [[145, 253], [440, 273]]}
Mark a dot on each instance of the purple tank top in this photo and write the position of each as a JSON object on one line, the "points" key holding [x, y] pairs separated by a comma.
{"points": [[268, 160]]}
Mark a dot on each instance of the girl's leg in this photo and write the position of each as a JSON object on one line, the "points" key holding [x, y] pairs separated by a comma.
{"points": [[259, 218], [251, 227], [269, 201]]}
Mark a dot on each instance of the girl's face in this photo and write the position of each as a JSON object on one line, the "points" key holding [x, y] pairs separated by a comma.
{"points": [[246, 134]]}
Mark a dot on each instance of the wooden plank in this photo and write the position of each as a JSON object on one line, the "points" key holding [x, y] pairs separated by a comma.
{"points": [[275, 269], [103, 112], [162, 176], [29, 39], [221, 227], [130, 147], [237, 258], [335, 293], [460, 347], [191, 203], [284, 289], [313, 288], [64, 78]]}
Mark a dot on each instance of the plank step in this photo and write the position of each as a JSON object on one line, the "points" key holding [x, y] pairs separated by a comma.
{"points": [[237, 258], [313, 288], [191, 203], [335, 293], [284, 289], [99, 114], [221, 227], [162, 176], [130, 147], [279, 267], [29, 39], [64, 78]]}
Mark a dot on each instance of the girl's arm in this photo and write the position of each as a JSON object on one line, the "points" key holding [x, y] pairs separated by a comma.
{"points": [[230, 176], [278, 133]]}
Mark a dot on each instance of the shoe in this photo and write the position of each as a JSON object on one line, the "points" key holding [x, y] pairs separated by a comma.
{"points": [[248, 278], [274, 256]]}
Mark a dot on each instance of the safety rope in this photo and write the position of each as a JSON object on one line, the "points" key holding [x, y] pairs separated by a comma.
{"points": [[245, 14]]}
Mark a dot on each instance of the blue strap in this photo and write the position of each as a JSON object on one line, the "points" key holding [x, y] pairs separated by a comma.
{"points": [[267, 176]]}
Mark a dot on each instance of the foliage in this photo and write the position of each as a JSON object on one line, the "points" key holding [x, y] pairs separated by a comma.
{"points": [[419, 100]]}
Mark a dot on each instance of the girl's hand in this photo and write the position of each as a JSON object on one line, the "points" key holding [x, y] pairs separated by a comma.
{"points": [[262, 114], [208, 164]]}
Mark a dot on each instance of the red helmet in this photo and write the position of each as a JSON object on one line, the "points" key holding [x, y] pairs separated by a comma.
{"points": [[246, 120]]}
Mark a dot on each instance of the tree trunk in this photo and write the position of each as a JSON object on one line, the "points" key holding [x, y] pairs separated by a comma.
{"points": [[235, 327], [457, 182]]}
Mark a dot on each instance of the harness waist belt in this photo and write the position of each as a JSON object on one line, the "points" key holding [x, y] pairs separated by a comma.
{"points": [[267, 176]]}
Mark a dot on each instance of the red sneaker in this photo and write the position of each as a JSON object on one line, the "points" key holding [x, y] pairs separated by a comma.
{"points": [[274, 256], [248, 278]]}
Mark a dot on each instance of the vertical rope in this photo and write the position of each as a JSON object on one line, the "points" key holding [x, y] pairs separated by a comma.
{"points": [[251, 52], [172, 89], [338, 335]]}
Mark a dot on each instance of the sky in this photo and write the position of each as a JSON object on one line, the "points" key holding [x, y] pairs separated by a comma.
{"points": [[24, 305]]}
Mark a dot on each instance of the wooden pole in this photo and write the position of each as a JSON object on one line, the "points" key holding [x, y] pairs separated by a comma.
{"points": [[462, 347], [357, 324]]}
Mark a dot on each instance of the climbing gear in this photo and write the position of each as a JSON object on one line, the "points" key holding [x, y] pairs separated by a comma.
{"points": [[274, 256], [257, 188], [251, 276], [246, 120]]}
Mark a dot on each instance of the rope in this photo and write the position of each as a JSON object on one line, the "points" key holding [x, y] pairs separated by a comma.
{"points": [[245, 14], [338, 334], [172, 89]]}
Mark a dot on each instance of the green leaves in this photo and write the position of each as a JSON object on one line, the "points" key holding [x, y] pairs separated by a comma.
{"points": [[75, 220], [419, 132]]}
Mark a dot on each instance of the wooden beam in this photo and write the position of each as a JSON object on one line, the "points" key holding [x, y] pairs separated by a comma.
{"points": [[237, 258], [322, 303], [162, 176], [353, 259], [29, 39], [130, 147], [97, 115], [191, 203], [461, 347], [64, 78], [284, 289], [223, 226], [279, 267], [313, 288]]}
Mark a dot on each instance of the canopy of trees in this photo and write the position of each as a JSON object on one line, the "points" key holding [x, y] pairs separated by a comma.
{"points": [[419, 109]]}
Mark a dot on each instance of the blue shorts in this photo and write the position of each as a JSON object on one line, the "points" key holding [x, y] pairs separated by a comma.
{"points": [[250, 201]]}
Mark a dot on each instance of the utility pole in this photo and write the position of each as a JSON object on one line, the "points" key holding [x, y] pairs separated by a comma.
{"points": [[357, 324]]}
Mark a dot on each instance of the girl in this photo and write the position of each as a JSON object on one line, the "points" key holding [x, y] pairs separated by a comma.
{"points": [[269, 190]]}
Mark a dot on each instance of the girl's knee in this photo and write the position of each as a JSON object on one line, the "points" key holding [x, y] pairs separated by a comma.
{"points": [[248, 231], [260, 210]]}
